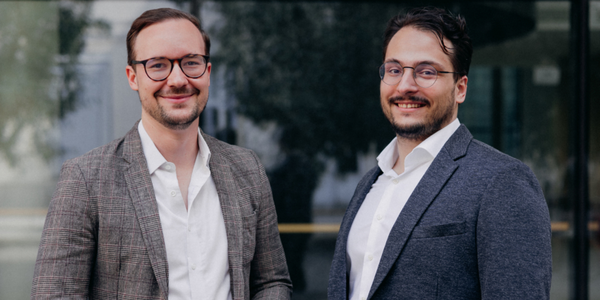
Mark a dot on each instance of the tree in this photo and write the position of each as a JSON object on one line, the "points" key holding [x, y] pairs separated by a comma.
{"points": [[40, 82], [312, 69]]}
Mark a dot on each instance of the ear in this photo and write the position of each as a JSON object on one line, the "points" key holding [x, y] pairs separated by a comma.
{"points": [[131, 78], [207, 73], [460, 90]]}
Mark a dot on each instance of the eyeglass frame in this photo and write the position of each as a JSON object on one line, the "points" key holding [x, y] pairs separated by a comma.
{"points": [[172, 61], [382, 73]]}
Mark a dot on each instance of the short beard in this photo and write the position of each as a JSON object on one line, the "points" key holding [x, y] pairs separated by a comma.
{"points": [[173, 124], [160, 115], [420, 132]]}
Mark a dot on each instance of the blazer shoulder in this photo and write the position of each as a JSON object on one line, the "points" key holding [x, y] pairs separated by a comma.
{"points": [[480, 151], [99, 154], [469, 152], [486, 161], [233, 155], [127, 147]]}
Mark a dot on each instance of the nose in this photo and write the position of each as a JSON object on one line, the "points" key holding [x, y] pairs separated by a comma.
{"points": [[177, 78], [407, 82]]}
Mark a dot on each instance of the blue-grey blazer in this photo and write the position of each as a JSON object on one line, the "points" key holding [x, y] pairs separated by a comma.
{"points": [[476, 227]]}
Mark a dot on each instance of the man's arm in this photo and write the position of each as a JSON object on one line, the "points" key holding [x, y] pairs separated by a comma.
{"points": [[269, 278], [66, 254], [514, 238]]}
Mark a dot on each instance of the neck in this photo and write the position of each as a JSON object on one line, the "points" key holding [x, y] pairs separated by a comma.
{"points": [[176, 146]]}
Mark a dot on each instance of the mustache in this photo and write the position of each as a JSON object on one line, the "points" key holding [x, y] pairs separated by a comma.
{"points": [[411, 98], [176, 91]]}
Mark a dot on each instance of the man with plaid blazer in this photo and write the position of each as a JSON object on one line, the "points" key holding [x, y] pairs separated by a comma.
{"points": [[146, 216]]}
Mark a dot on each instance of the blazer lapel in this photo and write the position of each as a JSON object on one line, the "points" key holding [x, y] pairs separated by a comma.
{"points": [[225, 183], [140, 189], [440, 171], [356, 202], [338, 281]]}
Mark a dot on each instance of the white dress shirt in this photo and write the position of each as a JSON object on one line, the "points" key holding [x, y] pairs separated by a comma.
{"points": [[382, 206], [195, 239]]}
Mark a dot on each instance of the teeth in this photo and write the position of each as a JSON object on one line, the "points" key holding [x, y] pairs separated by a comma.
{"points": [[408, 105]]}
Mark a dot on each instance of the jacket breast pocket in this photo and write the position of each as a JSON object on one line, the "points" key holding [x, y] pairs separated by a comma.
{"points": [[441, 230]]}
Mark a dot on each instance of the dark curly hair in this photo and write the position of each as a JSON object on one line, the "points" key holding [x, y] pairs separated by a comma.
{"points": [[444, 25]]}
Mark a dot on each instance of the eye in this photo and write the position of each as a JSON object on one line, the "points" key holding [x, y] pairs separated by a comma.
{"points": [[426, 71], [156, 64], [191, 63], [393, 70]]}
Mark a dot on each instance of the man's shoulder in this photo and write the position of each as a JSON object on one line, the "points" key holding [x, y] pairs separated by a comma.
{"points": [[489, 159], [482, 151], [226, 150], [100, 154], [232, 157], [463, 148]]}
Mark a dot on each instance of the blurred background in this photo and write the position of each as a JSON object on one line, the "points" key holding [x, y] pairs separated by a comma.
{"points": [[297, 81]]}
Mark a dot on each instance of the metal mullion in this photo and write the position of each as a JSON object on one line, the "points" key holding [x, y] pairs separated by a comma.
{"points": [[580, 149]]}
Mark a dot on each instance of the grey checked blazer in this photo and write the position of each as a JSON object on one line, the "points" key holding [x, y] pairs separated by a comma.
{"points": [[103, 240], [476, 227]]}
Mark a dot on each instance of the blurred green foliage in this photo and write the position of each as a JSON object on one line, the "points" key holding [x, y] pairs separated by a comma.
{"points": [[40, 43], [28, 48]]}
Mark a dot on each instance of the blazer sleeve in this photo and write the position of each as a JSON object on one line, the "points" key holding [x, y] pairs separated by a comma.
{"points": [[514, 238], [66, 254], [269, 278]]}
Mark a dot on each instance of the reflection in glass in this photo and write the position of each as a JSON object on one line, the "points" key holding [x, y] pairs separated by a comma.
{"points": [[297, 82]]}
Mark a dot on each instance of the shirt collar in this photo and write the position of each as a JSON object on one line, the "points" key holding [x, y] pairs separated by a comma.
{"points": [[155, 159], [425, 151]]}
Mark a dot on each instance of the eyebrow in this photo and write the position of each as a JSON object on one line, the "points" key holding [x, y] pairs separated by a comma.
{"points": [[190, 54], [430, 62]]}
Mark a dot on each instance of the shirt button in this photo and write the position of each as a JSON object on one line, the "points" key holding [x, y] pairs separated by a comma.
{"points": [[363, 298], [370, 257], [379, 217], [396, 181], [193, 267], [173, 193]]}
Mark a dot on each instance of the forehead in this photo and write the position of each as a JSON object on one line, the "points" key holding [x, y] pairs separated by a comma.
{"points": [[411, 46], [171, 38]]}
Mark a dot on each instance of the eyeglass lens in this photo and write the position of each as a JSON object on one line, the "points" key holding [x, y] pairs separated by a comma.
{"points": [[160, 68], [391, 73]]}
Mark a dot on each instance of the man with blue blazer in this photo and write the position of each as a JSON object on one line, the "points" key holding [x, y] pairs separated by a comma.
{"points": [[443, 216], [165, 212]]}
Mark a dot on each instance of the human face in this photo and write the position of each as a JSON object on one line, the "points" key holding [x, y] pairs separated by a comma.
{"points": [[176, 102], [415, 112]]}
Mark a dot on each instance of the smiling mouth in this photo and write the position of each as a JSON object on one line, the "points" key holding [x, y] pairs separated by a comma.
{"points": [[176, 96], [409, 102], [410, 105]]}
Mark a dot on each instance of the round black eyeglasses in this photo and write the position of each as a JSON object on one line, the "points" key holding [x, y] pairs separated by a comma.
{"points": [[425, 75], [159, 68]]}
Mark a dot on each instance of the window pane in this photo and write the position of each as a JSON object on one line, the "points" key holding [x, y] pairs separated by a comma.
{"points": [[298, 83], [518, 101], [29, 47]]}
